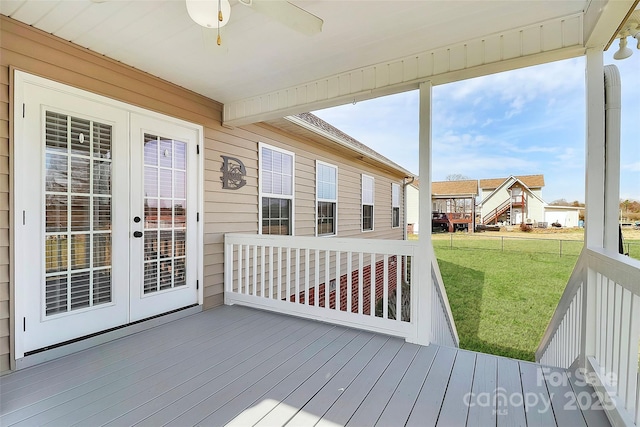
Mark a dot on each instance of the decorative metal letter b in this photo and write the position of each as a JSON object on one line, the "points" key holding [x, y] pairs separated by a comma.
{"points": [[233, 173]]}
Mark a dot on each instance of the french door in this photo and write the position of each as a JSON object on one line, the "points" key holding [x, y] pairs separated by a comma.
{"points": [[106, 202], [163, 211]]}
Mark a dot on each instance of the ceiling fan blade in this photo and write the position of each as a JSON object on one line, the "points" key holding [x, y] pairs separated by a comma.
{"points": [[288, 14]]}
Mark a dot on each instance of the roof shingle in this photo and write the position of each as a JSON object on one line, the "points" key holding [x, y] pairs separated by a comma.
{"points": [[531, 181], [465, 187]]}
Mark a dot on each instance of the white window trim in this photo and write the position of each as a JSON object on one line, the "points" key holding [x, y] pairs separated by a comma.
{"points": [[373, 203], [393, 184], [262, 194], [318, 199]]}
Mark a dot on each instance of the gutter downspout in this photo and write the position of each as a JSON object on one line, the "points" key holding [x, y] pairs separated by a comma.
{"points": [[612, 107], [405, 184]]}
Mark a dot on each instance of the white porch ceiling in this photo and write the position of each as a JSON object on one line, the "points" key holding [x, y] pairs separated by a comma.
{"points": [[265, 70]]}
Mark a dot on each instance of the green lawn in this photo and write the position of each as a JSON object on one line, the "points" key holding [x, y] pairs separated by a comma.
{"points": [[633, 247], [502, 301]]}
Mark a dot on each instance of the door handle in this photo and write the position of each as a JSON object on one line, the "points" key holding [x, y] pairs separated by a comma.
{"points": [[137, 234]]}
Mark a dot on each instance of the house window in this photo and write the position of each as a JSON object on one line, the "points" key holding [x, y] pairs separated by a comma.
{"points": [[276, 190], [395, 205], [367, 203], [327, 198]]}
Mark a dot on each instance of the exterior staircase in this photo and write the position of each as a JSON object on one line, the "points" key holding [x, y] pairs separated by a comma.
{"points": [[493, 216]]}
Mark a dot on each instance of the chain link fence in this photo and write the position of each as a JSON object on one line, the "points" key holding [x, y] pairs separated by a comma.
{"points": [[560, 247]]}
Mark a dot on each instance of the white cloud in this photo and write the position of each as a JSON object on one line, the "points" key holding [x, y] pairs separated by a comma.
{"points": [[632, 167], [522, 122]]}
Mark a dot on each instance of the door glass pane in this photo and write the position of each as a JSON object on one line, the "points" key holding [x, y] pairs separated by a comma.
{"points": [[165, 190], [77, 213]]}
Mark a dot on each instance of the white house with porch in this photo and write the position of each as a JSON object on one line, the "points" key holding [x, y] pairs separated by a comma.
{"points": [[195, 84]]}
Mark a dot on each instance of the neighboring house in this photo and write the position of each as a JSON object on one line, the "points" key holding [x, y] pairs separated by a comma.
{"points": [[518, 199], [458, 200], [455, 198], [512, 200], [413, 207]]}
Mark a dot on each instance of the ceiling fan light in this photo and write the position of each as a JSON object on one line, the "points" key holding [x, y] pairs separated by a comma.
{"points": [[637, 37], [205, 12], [624, 52]]}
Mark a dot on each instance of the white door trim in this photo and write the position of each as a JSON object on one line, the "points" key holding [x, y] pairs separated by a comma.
{"points": [[21, 186]]}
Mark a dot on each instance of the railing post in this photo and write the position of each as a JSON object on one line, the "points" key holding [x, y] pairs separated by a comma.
{"points": [[228, 271], [421, 316]]}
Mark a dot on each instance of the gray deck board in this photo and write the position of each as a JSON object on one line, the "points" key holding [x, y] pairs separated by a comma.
{"points": [[537, 402], [240, 366], [482, 409], [562, 398], [308, 387], [52, 376], [266, 359], [327, 352], [594, 417], [509, 402], [372, 406], [94, 388], [164, 382], [349, 400], [454, 410], [427, 408], [319, 404], [405, 396]]}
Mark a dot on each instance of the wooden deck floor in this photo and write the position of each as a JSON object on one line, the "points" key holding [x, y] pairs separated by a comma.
{"points": [[238, 366]]}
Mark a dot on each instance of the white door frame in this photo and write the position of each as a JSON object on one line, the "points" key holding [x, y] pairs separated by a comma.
{"points": [[23, 206]]}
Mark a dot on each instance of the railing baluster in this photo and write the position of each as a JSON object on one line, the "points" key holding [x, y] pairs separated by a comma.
{"points": [[338, 290], [398, 291], [262, 271], [316, 283], [600, 292], [297, 270], [239, 269], [633, 386], [246, 269], [617, 307], [625, 340], [254, 280], [372, 283], [306, 276], [608, 362], [271, 272], [385, 287], [327, 278], [278, 272], [288, 283], [360, 281], [349, 281]]}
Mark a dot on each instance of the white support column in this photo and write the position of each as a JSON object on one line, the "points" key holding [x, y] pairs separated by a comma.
{"points": [[423, 312], [612, 157], [595, 150]]}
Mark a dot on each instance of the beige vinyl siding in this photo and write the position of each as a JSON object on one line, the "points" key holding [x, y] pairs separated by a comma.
{"points": [[349, 177]]}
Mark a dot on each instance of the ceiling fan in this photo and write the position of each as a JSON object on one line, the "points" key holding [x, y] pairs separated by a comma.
{"points": [[215, 14]]}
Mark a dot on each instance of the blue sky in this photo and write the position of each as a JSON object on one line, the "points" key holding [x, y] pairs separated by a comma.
{"points": [[522, 122]]}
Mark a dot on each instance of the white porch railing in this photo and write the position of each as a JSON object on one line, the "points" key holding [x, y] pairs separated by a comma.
{"points": [[363, 283], [596, 326]]}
